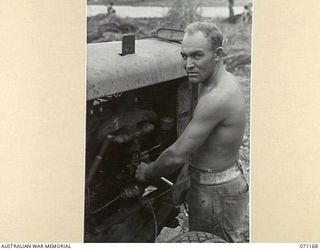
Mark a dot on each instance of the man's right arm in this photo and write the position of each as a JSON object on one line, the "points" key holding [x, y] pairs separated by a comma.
{"points": [[208, 113]]}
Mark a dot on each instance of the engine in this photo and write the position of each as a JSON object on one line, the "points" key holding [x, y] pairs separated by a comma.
{"points": [[129, 123]]}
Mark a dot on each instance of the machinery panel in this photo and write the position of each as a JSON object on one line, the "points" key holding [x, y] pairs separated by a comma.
{"points": [[108, 72]]}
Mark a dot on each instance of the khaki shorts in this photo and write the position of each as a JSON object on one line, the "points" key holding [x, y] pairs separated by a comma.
{"points": [[219, 209]]}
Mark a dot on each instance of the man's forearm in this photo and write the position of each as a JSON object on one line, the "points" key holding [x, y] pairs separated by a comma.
{"points": [[166, 164]]}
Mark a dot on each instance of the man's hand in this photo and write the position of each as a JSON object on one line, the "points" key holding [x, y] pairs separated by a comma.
{"points": [[144, 172]]}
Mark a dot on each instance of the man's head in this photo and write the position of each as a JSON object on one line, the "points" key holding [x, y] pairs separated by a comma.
{"points": [[201, 50]]}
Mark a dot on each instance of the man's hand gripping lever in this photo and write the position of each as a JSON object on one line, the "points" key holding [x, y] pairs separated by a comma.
{"points": [[144, 174]]}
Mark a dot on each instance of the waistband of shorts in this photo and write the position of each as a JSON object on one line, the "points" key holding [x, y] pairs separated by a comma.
{"points": [[211, 177]]}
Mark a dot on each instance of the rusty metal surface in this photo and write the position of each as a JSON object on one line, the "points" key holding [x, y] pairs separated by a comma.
{"points": [[108, 72]]}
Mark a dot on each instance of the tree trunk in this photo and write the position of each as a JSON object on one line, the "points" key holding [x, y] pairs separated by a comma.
{"points": [[231, 12]]}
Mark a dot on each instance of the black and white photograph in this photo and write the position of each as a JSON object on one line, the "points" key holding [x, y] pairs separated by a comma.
{"points": [[167, 150]]}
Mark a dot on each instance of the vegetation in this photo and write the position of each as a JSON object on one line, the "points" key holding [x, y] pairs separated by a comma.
{"points": [[183, 12]]}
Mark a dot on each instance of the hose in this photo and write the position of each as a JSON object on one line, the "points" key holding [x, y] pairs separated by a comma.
{"points": [[98, 159], [154, 219]]}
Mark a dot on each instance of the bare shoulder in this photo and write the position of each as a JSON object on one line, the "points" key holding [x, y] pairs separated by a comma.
{"points": [[227, 97], [227, 91], [231, 91]]}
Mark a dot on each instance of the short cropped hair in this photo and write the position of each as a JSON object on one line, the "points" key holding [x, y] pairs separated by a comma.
{"points": [[210, 31]]}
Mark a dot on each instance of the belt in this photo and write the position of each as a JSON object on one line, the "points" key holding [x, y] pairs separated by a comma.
{"points": [[211, 177]]}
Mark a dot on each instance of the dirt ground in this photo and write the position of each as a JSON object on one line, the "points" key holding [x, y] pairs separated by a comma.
{"points": [[168, 234]]}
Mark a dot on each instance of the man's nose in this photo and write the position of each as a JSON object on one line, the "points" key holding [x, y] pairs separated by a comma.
{"points": [[189, 63]]}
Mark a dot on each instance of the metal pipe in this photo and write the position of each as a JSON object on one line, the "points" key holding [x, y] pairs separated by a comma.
{"points": [[166, 181], [109, 203], [98, 158]]}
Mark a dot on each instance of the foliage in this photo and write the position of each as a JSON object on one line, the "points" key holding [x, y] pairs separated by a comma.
{"points": [[183, 12]]}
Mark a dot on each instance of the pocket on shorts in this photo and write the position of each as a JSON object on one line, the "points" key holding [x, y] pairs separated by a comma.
{"points": [[234, 213], [235, 206], [236, 187]]}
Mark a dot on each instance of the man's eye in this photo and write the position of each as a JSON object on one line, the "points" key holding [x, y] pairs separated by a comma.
{"points": [[184, 57], [197, 57]]}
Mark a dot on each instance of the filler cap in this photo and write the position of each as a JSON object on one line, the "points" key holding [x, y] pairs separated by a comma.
{"points": [[128, 44]]}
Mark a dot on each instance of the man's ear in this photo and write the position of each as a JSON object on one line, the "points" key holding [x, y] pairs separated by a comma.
{"points": [[218, 54], [219, 51]]}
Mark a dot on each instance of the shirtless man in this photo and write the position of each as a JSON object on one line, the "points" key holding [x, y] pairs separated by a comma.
{"points": [[218, 197]]}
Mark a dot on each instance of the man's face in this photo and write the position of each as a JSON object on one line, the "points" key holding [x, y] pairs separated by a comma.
{"points": [[198, 57]]}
